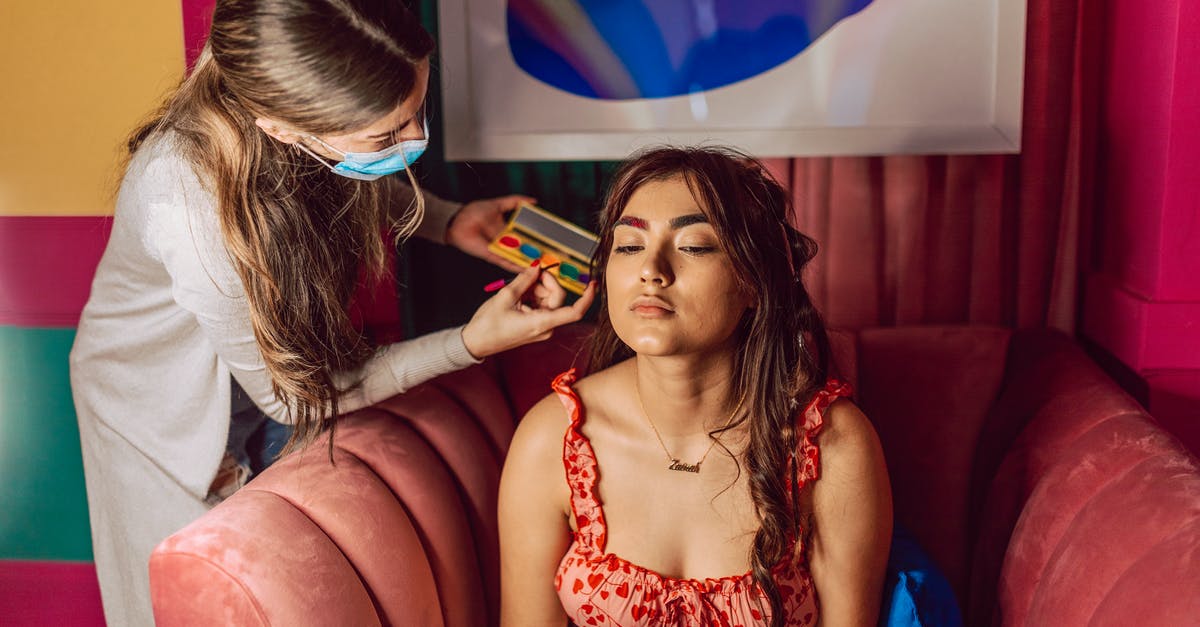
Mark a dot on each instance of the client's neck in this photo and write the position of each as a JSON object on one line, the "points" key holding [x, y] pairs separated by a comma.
{"points": [[687, 394]]}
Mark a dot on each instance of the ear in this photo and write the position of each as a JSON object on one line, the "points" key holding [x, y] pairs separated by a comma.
{"points": [[277, 130]]}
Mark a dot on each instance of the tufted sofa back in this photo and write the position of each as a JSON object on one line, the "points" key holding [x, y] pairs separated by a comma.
{"points": [[1044, 492], [1097, 508]]}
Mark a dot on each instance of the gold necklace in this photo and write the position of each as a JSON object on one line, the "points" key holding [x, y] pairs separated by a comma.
{"points": [[675, 463]]}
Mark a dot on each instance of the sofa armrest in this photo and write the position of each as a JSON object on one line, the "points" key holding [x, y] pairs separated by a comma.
{"points": [[377, 535], [399, 527]]}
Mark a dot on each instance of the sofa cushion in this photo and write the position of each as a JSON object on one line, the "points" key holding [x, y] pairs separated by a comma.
{"points": [[224, 572], [428, 491], [1052, 395], [526, 372], [1111, 496], [477, 392], [927, 390], [459, 441], [843, 346], [1048, 380], [359, 513], [1159, 589]]}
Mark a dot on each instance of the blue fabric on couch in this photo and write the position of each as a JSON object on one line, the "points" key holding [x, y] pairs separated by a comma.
{"points": [[915, 592]]}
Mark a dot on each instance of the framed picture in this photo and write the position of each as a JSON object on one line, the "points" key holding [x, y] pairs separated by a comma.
{"points": [[597, 79]]}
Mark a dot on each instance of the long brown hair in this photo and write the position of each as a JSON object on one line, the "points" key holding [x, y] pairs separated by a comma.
{"points": [[299, 235], [783, 347]]}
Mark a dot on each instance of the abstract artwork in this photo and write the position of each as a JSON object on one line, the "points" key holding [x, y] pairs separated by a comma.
{"points": [[631, 49]]}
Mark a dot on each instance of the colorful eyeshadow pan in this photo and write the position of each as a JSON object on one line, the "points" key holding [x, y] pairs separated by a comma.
{"points": [[535, 237]]}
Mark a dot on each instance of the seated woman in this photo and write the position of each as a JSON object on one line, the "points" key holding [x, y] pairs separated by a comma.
{"points": [[714, 474]]}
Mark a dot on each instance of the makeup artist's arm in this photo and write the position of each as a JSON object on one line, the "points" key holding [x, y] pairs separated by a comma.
{"points": [[534, 529], [469, 228]]}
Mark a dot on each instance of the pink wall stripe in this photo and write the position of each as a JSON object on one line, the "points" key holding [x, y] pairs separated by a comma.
{"points": [[49, 593], [47, 264], [1180, 257], [46, 267], [197, 17]]}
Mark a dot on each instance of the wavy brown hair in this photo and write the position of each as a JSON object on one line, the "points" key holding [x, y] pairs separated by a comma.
{"points": [[299, 236], [782, 345]]}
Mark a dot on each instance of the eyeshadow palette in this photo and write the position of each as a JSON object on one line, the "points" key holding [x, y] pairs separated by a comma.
{"points": [[534, 234]]}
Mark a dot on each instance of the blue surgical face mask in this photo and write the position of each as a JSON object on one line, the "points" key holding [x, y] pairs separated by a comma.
{"points": [[368, 166]]}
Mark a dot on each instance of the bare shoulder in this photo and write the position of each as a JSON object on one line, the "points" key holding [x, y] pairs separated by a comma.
{"points": [[845, 428], [851, 499], [601, 394], [851, 458]]}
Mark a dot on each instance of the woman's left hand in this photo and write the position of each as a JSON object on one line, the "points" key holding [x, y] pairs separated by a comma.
{"points": [[478, 223]]}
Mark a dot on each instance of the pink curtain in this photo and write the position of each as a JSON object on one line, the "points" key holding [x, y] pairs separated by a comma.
{"points": [[991, 239]]}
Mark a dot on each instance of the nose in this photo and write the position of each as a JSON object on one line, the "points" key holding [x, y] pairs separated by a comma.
{"points": [[656, 268]]}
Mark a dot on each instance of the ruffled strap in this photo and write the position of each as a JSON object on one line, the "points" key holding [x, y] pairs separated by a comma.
{"points": [[808, 425], [566, 394], [579, 461]]}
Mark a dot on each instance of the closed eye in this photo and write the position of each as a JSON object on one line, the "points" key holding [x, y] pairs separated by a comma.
{"points": [[697, 250], [389, 136], [392, 137], [627, 249]]}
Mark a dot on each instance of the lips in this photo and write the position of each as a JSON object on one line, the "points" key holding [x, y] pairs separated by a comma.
{"points": [[651, 306]]}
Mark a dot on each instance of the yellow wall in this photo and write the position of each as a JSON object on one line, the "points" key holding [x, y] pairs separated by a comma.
{"points": [[75, 77]]}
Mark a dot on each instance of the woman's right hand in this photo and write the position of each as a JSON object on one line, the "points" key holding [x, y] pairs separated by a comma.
{"points": [[505, 321]]}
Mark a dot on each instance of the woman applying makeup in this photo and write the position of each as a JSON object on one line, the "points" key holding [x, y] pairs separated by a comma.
{"points": [[714, 474], [251, 204]]}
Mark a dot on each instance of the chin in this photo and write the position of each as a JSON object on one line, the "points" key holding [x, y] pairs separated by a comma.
{"points": [[652, 340], [656, 346], [648, 345]]}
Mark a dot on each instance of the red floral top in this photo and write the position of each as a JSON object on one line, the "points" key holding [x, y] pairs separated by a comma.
{"points": [[599, 588]]}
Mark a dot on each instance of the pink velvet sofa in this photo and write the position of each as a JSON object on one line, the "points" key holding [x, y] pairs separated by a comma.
{"points": [[1046, 494]]}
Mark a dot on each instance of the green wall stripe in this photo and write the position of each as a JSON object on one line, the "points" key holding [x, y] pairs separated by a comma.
{"points": [[43, 503]]}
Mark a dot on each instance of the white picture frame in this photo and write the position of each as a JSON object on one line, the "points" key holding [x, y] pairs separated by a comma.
{"points": [[898, 77]]}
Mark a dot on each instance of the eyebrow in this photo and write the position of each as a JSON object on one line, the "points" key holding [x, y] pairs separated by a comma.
{"points": [[675, 223], [688, 220]]}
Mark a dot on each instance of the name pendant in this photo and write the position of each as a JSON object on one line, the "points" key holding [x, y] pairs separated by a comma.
{"points": [[682, 467]]}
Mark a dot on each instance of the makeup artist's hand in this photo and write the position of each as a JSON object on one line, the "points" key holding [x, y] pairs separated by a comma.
{"points": [[526, 310], [478, 223]]}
